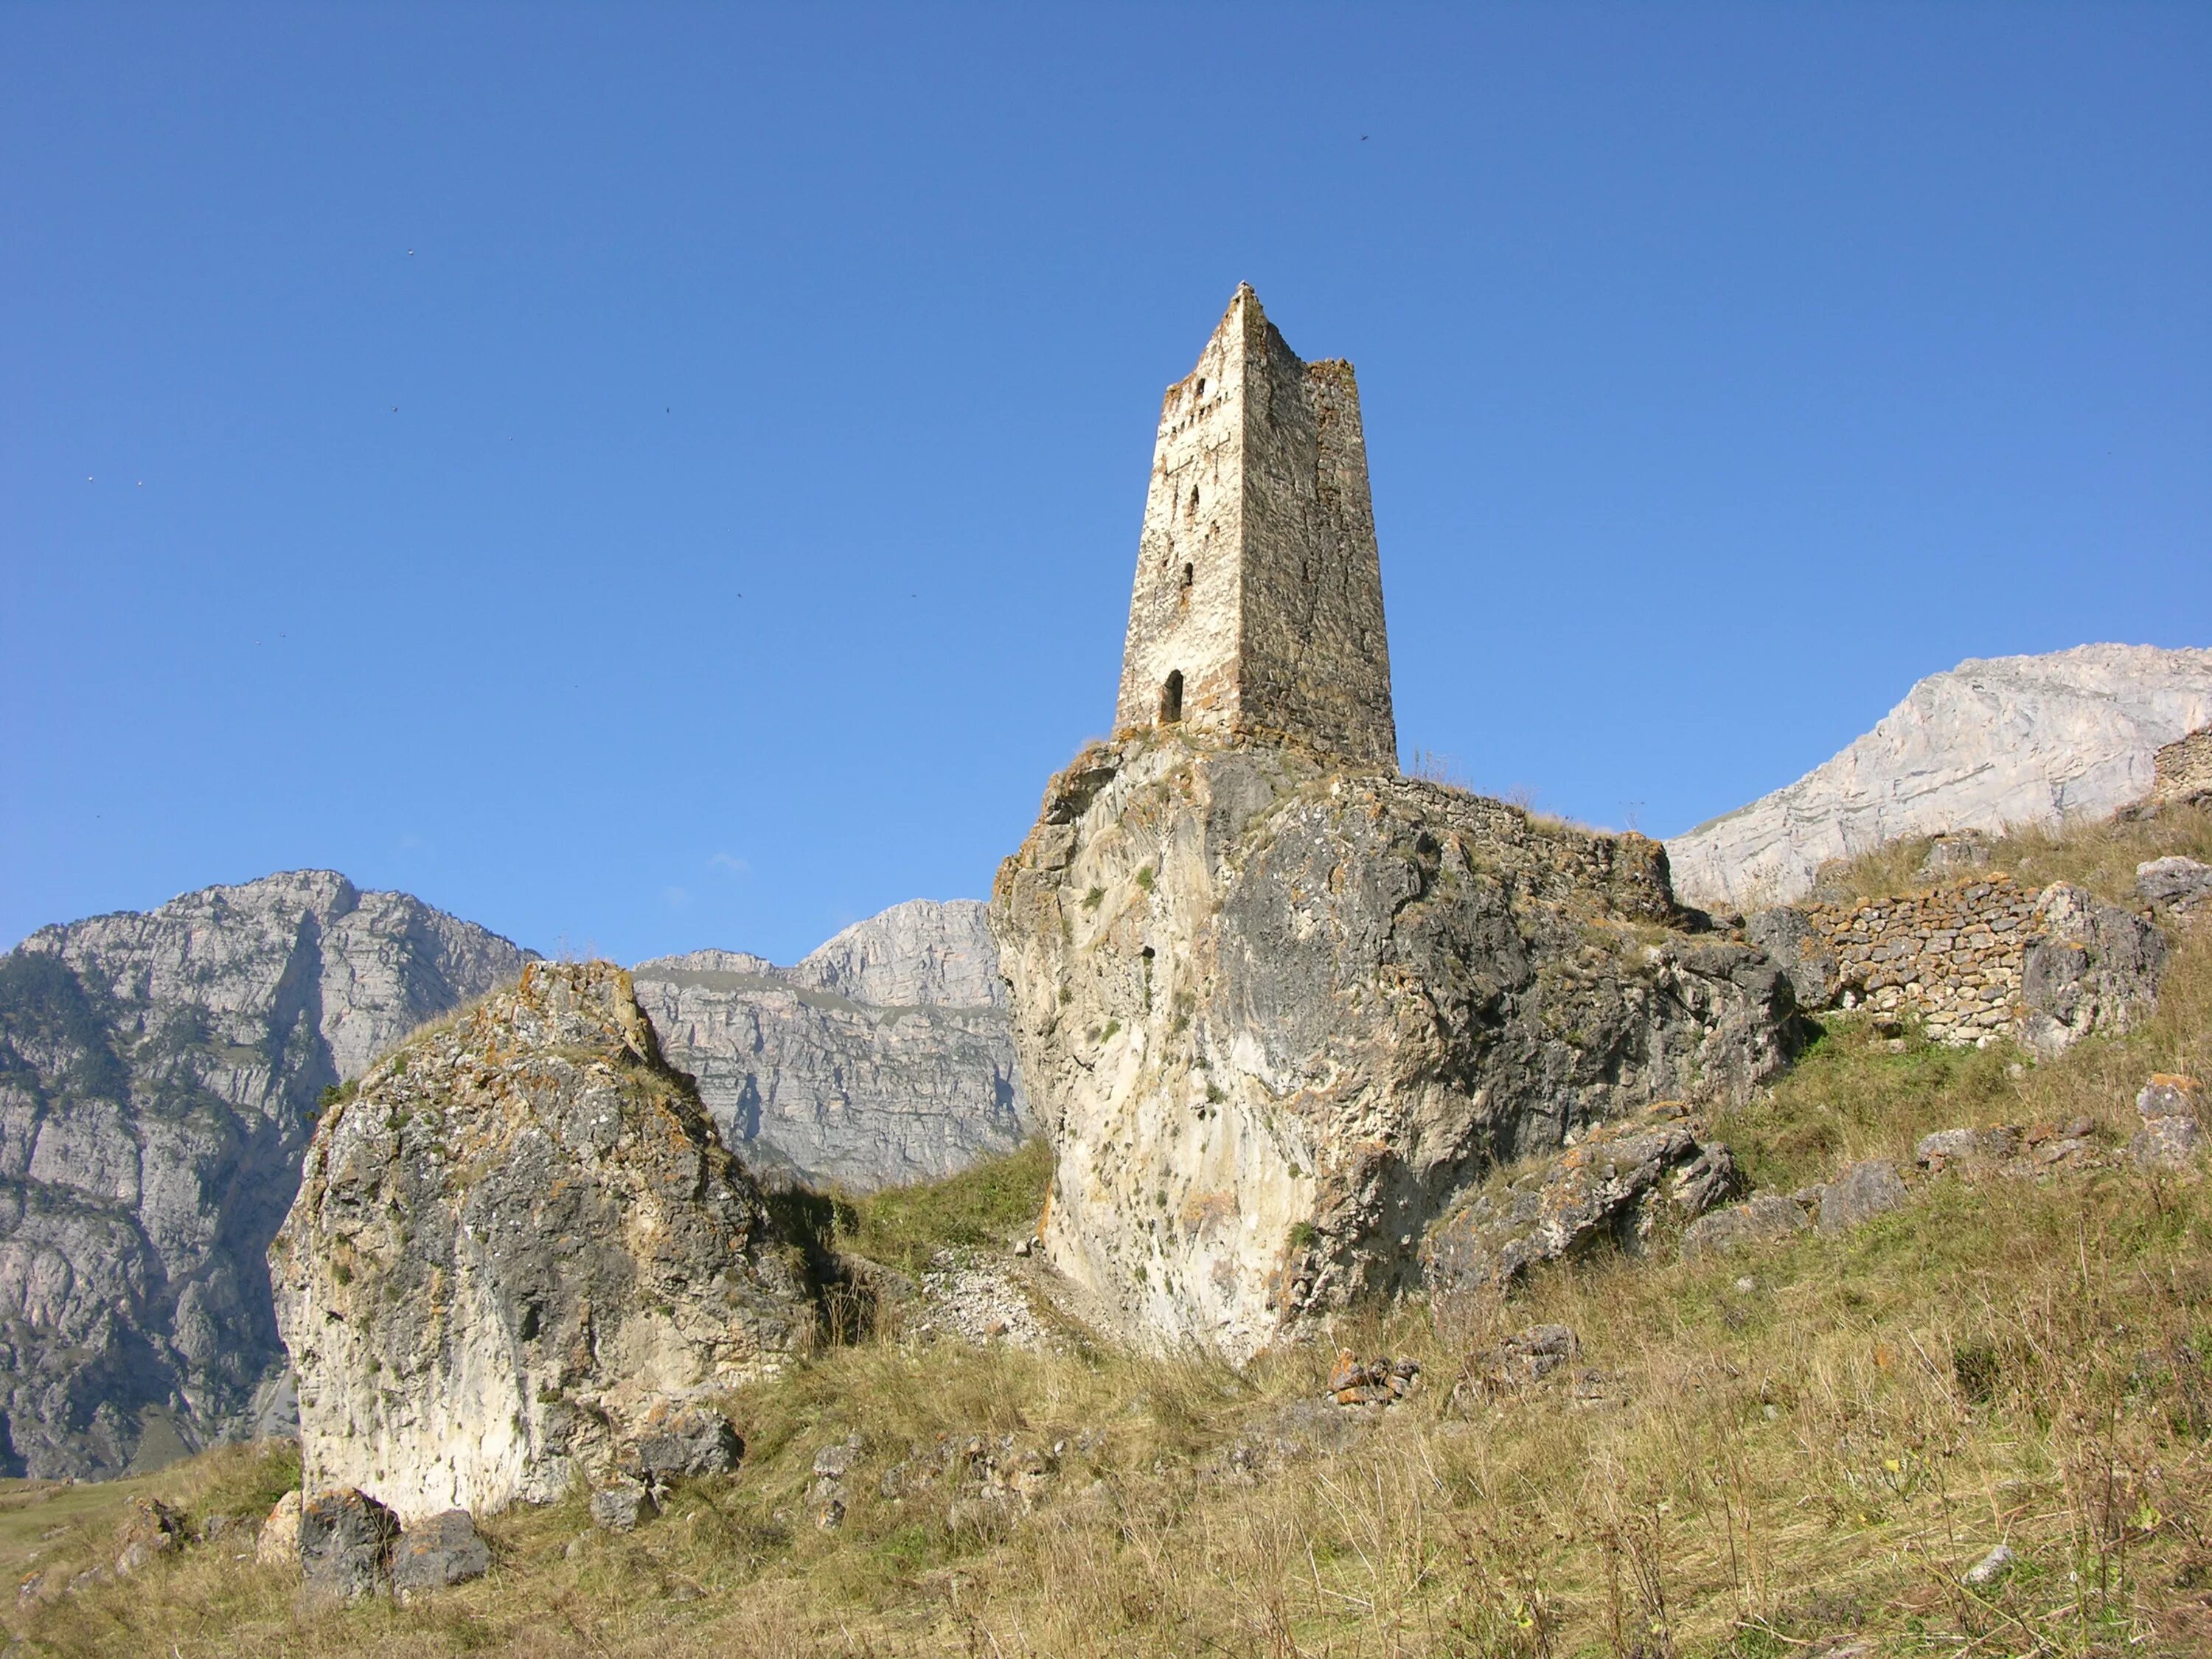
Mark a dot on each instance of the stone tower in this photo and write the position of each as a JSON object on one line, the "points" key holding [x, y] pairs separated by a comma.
{"points": [[1258, 607]]}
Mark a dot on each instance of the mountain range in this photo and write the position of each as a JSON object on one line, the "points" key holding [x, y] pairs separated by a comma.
{"points": [[160, 1073]]}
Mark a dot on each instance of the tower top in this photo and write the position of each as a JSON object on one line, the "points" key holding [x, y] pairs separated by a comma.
{"points": [[1257, 610]]}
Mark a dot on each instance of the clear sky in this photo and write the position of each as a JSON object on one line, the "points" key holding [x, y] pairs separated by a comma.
{"points": [[645, 478]]}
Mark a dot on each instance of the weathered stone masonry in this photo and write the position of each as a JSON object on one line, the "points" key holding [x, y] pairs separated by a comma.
{"points": [[2184, 768], [1979, 959], [1257, 608], [1952, 956]]}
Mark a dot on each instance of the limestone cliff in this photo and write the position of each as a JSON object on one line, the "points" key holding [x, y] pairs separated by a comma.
{"points": [[519, 1238], [1275, 1015], [2005, 740], [159, 1075], [880, 1058]]}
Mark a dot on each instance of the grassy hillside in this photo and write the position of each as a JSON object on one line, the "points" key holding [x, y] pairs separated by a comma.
{"points": [[1754, 1457]]}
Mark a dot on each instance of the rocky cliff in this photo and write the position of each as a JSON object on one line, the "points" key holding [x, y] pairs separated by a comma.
{"points": [[881, 1058], [2070, 735], [518, 1240], [1276, 1015], [159, 1076]]}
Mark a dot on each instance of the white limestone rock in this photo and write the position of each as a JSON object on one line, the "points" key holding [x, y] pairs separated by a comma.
{"points": [[514, 1249], [1277, 1016], [920, 954], [1995, 741]]}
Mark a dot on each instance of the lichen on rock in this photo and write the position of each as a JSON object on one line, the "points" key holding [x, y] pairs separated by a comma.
{"points": [[519, 1238], [1276, 1012]]}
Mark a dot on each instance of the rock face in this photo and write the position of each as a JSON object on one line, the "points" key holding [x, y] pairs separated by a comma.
{"points": [[882, 1058], [1996, 741], [514, 1243], [1278, 1014], [159, 1075]]}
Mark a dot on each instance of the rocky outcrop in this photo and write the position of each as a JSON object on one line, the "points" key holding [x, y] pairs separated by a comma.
{"points": [[882, 1058], [1613, 1185], [1277, 1015], [2178, 884], [1763, 1219], [518, 1242], [2003, 740], [159, 1075]]}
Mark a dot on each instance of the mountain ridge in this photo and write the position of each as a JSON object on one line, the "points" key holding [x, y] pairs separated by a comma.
{"points": [[2059, 736]]}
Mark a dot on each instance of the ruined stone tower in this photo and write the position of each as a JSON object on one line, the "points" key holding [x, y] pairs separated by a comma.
{"points": [[1258, 606]]}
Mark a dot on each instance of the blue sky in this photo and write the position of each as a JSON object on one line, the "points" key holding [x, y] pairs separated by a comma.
{"points": [[646, 478]]}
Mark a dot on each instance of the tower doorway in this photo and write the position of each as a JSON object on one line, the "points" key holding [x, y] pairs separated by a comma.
{"points": [[1171, 699]]}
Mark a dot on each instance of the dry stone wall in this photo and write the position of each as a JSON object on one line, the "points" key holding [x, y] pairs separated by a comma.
{"points": [[2183, 768], [1952, 956], [1975, 960]]}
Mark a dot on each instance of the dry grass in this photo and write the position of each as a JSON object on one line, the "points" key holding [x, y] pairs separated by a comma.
{"points": [[2101, 857], [1791, 1446]]}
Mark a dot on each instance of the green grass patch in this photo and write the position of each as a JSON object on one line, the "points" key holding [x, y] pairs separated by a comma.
{"points": [[993, 1204]]}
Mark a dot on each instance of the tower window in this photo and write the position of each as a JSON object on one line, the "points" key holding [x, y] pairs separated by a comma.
{"points": [[1193, 501], [1189, 575], [1171, 699], [1202, 385]]}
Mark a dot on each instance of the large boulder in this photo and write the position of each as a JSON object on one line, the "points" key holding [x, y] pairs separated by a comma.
{"points": [[345, 1545], [1765, 1219], [520, 1239], [438, 1550], [2090, 966], [1276, 1014], [1858, 1195]]}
